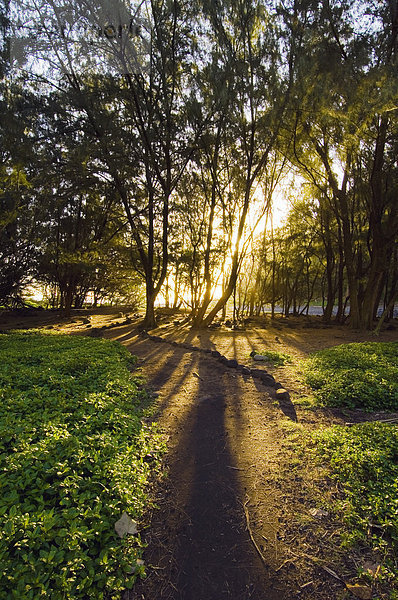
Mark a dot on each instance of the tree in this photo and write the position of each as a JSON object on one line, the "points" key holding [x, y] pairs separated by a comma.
{"points": [[343, 135], [146, 112]]}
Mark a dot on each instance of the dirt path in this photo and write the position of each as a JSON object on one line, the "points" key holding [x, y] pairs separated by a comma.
{"points": [[224, 444]]}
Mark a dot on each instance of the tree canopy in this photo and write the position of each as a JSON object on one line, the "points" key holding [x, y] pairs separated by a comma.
{"points": [[144, 145]]}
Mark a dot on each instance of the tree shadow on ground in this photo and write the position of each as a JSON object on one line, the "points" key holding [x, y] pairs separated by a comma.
{"points": [[209, 555]]}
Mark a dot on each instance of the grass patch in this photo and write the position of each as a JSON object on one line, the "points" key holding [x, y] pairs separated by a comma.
{"points": [[362, 375], [275, 358], [364, 459], [74, 455]]}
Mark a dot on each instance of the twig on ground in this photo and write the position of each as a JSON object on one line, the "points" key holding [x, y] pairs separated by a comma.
{"points": [[249, 529], [332, 573], [285, 562]]}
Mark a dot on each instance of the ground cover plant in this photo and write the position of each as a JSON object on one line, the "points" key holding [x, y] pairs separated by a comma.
{"points": [[364, 459], [360, 375], [75, 453], [275, 358]]}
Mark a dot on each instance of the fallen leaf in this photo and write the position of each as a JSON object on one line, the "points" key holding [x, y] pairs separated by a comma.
{"points": [[125, 525], [318, 512], [133, 569], [371, 568], [360, 591]]}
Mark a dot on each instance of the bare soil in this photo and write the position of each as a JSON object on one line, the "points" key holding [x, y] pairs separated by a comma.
{"points": [[233, 517]]}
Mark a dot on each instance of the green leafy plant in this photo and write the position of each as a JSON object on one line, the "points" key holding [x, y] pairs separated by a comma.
{"points": [[275, 358], [361, 375], [363, 458], [74, 451]]}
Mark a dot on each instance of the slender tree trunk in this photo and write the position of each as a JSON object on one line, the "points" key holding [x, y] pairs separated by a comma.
{"points": [[235, 263]]}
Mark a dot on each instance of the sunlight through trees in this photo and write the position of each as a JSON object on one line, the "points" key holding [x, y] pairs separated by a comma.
{"points": [[145, 146]]}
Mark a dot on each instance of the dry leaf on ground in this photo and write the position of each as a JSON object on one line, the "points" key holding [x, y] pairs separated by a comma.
{"points": [[360, 591], [125, 525]]}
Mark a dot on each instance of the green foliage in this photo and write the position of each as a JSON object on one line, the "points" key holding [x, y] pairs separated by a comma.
{"points": [[276, 358], [364, 459], [73, 457], [361, 375]]}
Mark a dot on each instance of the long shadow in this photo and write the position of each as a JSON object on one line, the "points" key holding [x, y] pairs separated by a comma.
{"points": [[166, 365], [288, 409], [215, 557]]}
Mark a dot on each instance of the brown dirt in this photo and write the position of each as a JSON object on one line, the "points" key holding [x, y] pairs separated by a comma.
{"points": [[233, 517]]}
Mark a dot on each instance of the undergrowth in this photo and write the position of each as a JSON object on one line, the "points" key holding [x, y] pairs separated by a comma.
{"points": [[275, 358], [364, 459], [75, 453], [361, 375]]}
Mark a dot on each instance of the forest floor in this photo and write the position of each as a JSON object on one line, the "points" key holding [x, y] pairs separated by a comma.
{"points": [[238, 513]]}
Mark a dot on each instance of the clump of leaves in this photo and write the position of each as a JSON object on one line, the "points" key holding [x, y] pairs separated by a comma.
{"points": [[364, 459], [363, 375], [276, 358], [73, 458]]}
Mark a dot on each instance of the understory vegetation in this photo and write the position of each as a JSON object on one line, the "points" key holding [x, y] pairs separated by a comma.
{"points": [[362, 375], [275, 358], [75, 454], [363, 458]]}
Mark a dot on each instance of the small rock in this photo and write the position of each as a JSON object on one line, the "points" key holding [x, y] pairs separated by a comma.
{"points": [[223, 360], [232, 364], [260, 357], [215, 353], [265, 377], [257, 373], [282, 394], [228, 323], [268, 380], [246, 371]]}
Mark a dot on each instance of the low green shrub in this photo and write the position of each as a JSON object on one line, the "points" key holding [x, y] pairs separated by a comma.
{"points": [[275, 358], [75, 454], [364, 459], [363, 375]]}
